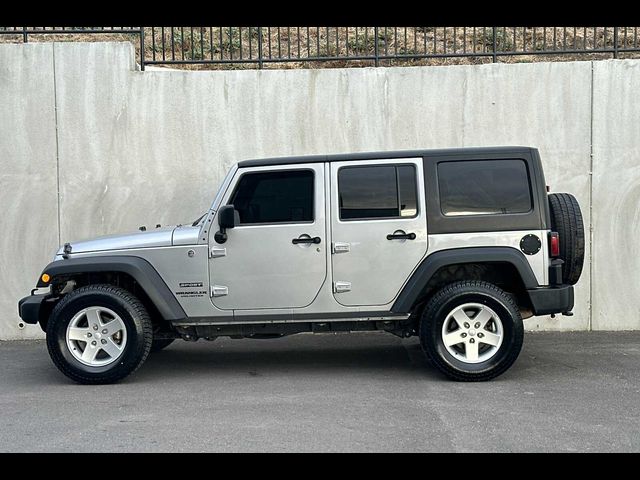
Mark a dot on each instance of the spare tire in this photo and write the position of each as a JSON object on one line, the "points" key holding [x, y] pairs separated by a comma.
{"points": [[566, 219]]}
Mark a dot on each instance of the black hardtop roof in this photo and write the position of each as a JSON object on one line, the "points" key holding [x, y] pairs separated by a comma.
{"points": [[341, 157]]}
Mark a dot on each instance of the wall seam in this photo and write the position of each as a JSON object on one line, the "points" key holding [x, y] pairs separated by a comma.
{"points": [[590, 327], [55, 110]]}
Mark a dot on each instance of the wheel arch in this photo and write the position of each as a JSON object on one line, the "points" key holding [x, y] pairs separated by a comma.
{"points": [[140, 270], [498, 265]]}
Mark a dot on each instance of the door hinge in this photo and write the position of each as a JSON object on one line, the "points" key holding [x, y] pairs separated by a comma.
{"points": [[340, 247], [219, 290], [341, 287], [217, 252]]}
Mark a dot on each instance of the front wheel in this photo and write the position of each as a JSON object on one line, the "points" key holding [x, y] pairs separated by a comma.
{"points": [[471, 331], [99, 334]]}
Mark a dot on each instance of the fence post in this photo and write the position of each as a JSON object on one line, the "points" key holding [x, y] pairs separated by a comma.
{"points": [[259, 47], [375, 43], [615, 42], [142, 48], [24, 35], [495, 44]]}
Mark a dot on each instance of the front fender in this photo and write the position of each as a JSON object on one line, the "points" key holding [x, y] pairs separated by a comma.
{"points": [[140, 269]]}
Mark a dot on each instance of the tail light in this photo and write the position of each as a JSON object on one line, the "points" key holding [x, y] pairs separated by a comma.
{"points": [[554, 244]]}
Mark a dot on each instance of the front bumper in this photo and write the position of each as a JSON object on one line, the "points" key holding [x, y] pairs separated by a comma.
{"points": [[553, 299], [32, 308]]}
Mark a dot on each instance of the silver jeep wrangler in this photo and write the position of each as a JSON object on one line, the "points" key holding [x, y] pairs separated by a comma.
{"points": [[455, 246]]}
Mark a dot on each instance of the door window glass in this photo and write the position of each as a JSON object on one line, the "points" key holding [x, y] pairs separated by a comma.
{"points": [[385, 191], [275, 197]]}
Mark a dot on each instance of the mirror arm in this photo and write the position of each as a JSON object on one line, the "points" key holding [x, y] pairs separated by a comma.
{"points": [[221, 235]]}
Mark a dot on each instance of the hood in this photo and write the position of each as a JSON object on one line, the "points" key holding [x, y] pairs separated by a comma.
{"points": [[157, 237]]}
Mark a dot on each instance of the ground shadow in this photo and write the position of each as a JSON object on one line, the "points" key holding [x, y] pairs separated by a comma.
{"points": [[257, 358], [302, 356]]}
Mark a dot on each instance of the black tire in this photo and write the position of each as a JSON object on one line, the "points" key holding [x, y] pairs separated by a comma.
{"points": [[161, 344], [566, 219], [133, 314], [459, 293]]}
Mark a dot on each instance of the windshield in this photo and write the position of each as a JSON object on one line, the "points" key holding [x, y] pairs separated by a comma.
{"points": [[199, 219], [221, 190]]}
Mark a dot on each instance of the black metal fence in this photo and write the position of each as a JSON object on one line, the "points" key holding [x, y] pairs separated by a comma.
{"points": [[251, 47]]}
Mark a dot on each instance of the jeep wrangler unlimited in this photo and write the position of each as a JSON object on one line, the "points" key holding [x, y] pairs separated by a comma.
{"points": [[455, 246]]}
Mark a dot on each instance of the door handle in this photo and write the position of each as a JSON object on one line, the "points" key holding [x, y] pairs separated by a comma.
{"points": [[400, 235], [296, 241]]}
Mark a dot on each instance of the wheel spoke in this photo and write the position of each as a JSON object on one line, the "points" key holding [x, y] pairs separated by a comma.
{"points": [[93, 317], [89, 353], [471, 351], [114, 326], [96, 327], [461, 317], [483, 317], [490, 338], [112, 348], [453, 338], [76, 333], [478, 327]]}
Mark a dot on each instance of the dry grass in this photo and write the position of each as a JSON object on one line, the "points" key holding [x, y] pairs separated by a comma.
{"points": [[287, 47]]}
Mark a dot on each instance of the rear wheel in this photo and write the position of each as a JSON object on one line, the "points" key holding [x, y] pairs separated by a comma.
{"points": [[99, 334], [471, 331]]}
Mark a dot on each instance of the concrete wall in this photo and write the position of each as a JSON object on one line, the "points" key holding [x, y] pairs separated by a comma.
{"points": [[28, 176], [91, 145], [616, 195]]}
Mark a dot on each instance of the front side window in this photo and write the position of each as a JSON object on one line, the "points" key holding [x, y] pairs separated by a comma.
{"points": [[284, 196], [484, 187], [385, 191]]}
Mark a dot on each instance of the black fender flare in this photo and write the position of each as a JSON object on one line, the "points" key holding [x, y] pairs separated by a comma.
{"points": [[140, 269], [455, 256]]}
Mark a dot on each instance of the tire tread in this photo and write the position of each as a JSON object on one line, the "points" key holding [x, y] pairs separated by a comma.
{"points": [[134, 304], [566, 219], [445, 295]]}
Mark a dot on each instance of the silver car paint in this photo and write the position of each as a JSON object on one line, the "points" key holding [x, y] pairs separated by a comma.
{"points": [[159, 237], [188, 263], [176, 266], [324, 302], [374, 267], [172, 262], [186, 235], [259, 267], [538, 262]]}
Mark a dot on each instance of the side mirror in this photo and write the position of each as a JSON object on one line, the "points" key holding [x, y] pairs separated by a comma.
{"points": [[228, 217]]}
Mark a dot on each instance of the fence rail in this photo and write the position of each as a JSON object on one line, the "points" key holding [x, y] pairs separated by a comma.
{"points": [[251, 47]]}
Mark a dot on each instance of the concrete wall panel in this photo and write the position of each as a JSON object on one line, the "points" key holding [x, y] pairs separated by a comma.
{"points": [[616, 195], [28, 180]]}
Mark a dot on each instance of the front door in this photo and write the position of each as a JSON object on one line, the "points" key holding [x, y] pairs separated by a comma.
{"points": [[276, 256], [379, 228]]}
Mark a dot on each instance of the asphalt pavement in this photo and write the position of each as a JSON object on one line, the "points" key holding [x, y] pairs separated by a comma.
{"points": [[365, 392]]}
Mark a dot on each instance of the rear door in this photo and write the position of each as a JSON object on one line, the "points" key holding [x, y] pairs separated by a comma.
{"points": [[378, 228]]}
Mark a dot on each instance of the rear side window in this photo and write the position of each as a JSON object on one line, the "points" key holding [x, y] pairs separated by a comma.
{"points": [[275, 197], [385, 191], [486, 187]]}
